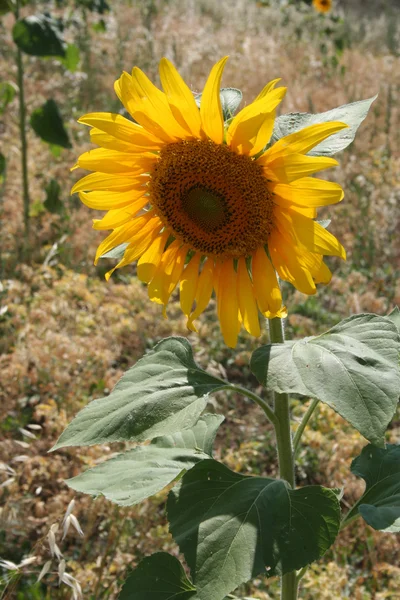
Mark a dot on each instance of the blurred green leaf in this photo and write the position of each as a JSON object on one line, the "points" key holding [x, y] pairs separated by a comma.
{"points": [[380, 504], [100, 26], [47, 123], [99, 6], [353, 368], [144, 471], [163, 393], [7, 93], [159, 577], [53, 203], [2, 166], [231, 527], [72, 58], [5, 7], [39, 35]]}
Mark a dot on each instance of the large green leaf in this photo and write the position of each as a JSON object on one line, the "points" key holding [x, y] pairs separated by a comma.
{"points": [[47, 123], [142, 472], [158, 577], [352, 114], [380, 504], [39, 35], [163, 393], [395, 317], [231, 527], [353, 368]]}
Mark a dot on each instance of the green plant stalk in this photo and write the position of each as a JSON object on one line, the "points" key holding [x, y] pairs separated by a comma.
{"points": [[303, 425], [289, 581], [22, 132]]}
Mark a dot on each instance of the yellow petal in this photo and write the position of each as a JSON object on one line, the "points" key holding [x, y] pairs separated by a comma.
{"points": [[265, 282], [251, 128], [138, 108], [268, 88], [188, 284], [227, 303], [287, 261], [107, 182], [304, 140], [125, 232], [308, 233], [203, 291], [158, 286], [117, 217], [180, 98], [149, 261], [173, 280], [105, 140], [286, 169], [155, 105], [111, 161], [247, 302], [113, 200], [121, 128], [307, 192], [138, 245], [210, 107]]}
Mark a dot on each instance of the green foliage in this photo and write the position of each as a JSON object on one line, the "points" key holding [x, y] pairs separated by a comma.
{"points": [[353, 368], [53, 202], [165, 392], [2, 166], [158, 577], [47, 123], [72, 58], [7, 94], [39, 35], [380, 504], [352, 114], [231, 527], [99, 6], [146, 470], [395, 317]]}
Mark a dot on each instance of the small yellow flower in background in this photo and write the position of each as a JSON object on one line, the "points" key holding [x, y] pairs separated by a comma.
{"points": [[202, 204], [322, 6]]}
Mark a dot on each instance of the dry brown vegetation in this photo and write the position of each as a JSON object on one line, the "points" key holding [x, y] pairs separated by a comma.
{"points": [[66, 335]]}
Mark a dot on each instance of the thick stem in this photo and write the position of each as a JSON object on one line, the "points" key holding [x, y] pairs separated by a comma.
{"points": [[22, 132], [285, 451]]}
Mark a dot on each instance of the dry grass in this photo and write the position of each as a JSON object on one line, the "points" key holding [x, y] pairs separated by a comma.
{"points": [[66, 336]]}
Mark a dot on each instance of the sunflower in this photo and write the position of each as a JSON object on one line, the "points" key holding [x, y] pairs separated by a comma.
{"points": [[322, 6], [209, 205]]}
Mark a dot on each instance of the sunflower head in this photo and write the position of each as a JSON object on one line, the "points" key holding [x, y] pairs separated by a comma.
{"points": [[323, 6], [209, 205]]}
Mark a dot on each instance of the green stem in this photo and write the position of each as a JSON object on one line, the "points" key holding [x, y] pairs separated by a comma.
{"points": [[22, 132], [303, 425], [265, 407], [285, 451]]}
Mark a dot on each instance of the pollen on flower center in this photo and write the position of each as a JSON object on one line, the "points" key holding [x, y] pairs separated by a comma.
{"points": [[212, 198]]}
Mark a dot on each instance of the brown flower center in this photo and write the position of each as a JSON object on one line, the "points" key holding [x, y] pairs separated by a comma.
{"points": [[212, 198]]}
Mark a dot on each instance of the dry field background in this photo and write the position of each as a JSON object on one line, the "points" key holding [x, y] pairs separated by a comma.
{"points": [[66, 335]]}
